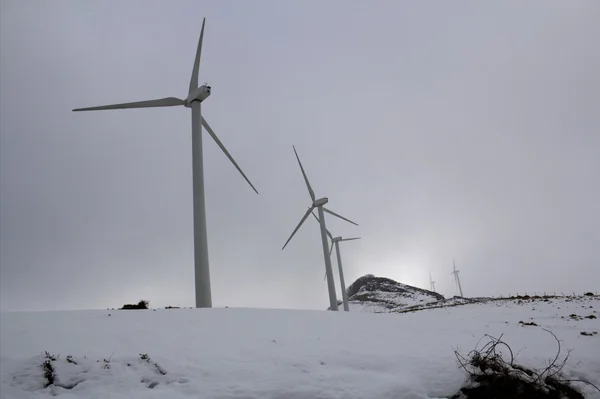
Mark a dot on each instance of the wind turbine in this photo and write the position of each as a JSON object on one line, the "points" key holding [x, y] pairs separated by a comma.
{"points": [[196, 95], [431, 283], [335, 241], [456, 278], [319, 204]]}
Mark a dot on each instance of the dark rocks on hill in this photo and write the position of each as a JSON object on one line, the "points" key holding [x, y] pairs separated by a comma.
{"points": [[383, 295], [140, 305], [370, 283]]}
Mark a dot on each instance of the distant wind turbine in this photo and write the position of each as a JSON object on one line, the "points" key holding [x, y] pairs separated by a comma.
{"points": [[456, 278], [336, 241], [319, 204], [431, 283], [196, 95]]}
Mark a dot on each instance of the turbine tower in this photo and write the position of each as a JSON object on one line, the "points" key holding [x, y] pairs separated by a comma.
{"points": [[319, 204], [431, 283], [335, 241], [196, 95], [456, 278]]}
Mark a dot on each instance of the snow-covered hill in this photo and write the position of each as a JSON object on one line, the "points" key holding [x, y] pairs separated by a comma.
{"points": [[383, 295], [251, 353]]}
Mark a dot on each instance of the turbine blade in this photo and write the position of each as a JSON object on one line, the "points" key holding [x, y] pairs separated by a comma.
{"points": [[316, 217], [341, 217], [195, 71], [350, 239], [308, 212], [325, 277], [310, 190], [331, 250], [161, 102], [216, 139], [326, 230]]}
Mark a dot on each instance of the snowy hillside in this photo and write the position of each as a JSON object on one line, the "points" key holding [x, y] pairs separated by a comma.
{"points": [[382, 295], [251, 353]]}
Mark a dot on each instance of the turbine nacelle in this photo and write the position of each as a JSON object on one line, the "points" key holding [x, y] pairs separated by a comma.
{"points": [[320, 202], [200, 94], [336, 239]]}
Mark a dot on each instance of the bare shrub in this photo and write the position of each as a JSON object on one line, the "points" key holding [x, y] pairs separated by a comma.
{"points": [[495, 375]]}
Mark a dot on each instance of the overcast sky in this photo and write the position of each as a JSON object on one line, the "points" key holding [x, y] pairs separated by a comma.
{"points": [[465, 128]]}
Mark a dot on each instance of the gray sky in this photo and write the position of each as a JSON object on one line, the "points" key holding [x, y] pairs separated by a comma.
{"points": [[465, 129]]}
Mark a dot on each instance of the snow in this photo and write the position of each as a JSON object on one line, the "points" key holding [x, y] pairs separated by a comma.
{"points": [[389, 301], [254, 353]]}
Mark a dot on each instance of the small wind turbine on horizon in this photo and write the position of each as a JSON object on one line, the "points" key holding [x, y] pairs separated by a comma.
{"points": [[456, 278], [336, 241], [319, 204], [431, 283], [196, 95]]}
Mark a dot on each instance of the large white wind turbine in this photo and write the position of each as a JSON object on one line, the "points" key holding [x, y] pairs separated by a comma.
{"points": [[336, 241], [431, 283], [319, 204], [196, 95], [456, 278]]}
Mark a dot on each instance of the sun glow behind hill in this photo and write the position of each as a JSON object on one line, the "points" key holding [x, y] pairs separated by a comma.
{"points": [[410, 269]]}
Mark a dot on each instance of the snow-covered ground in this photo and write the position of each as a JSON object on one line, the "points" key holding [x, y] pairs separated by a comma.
{"points": [[251, 353]]}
